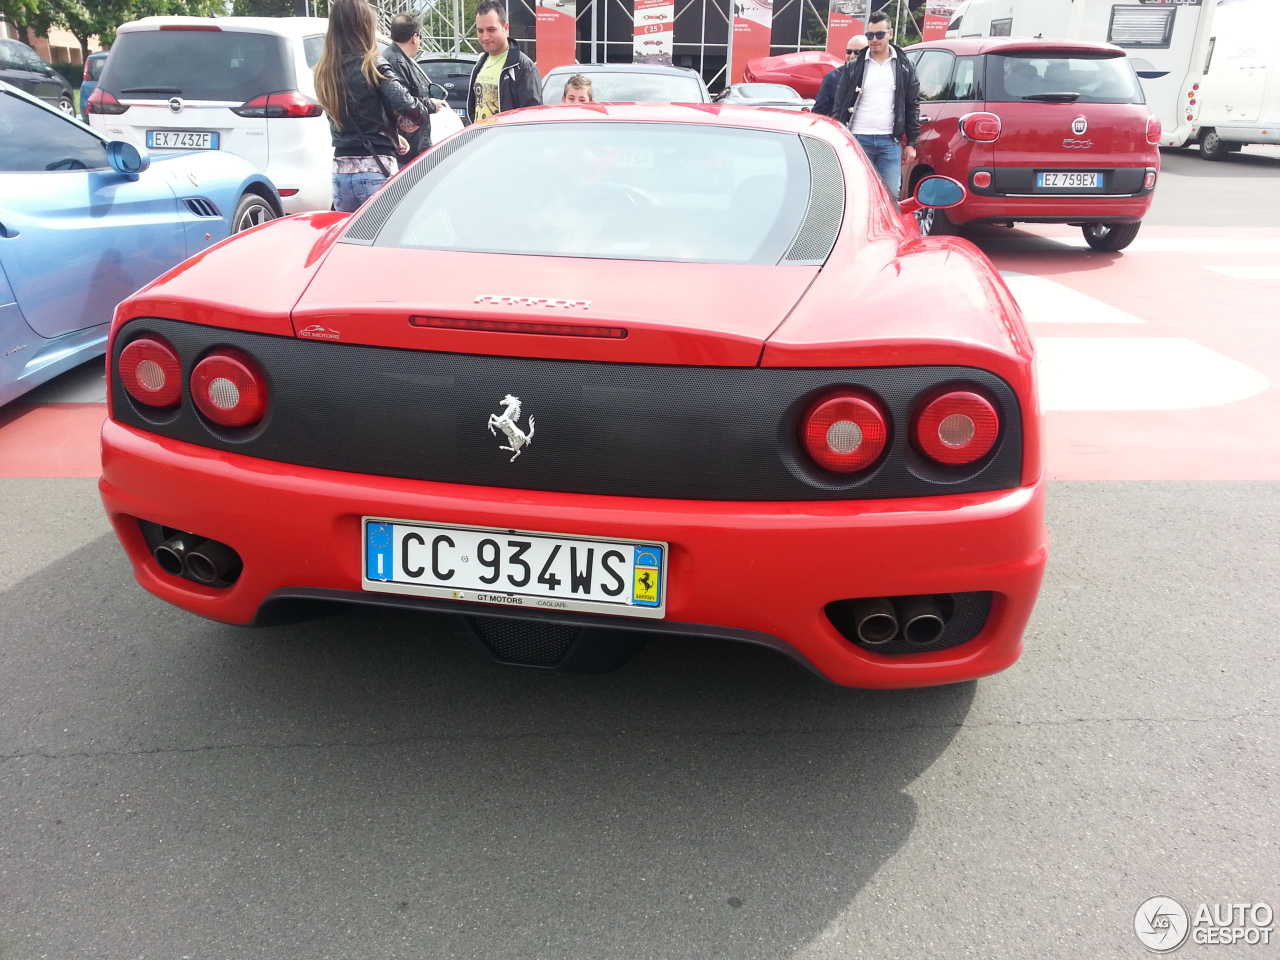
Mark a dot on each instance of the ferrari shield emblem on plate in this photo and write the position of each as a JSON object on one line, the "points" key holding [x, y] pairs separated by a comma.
{"points": [[507, 421]]}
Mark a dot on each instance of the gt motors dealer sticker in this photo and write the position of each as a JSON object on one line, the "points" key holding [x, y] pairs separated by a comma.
{"points": [[1163, 924]]}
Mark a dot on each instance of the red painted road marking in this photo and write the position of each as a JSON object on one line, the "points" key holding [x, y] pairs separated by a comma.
{"points": [[53, 440]]}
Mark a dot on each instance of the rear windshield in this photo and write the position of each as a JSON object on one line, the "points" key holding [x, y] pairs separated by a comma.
{"points": [[1037, 77], [447, 71], [95, 67], [624, 191], [631, 88], [197, 65]]}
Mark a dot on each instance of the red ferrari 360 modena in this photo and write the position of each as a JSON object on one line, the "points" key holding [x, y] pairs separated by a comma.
{"points": [[583, 375]]}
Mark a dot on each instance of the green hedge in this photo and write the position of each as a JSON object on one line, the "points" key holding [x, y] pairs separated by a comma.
{"points": [[74, 72]]}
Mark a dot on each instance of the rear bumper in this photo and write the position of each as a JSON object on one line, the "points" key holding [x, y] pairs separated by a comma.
{"points": [[1050, 209], [760, 572]]}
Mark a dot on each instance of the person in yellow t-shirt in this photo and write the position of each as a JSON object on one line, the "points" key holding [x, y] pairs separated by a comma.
{"points": [[503, 78]]}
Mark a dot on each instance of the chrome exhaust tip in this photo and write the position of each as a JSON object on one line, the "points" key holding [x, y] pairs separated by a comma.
{"points": [[874, 621], [210, 562], [172, 554], [922, 620]]}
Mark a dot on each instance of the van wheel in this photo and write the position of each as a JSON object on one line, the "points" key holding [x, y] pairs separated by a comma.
{"points": [[1110, 237], [251, 211], [935, 223], [1213, 147]]}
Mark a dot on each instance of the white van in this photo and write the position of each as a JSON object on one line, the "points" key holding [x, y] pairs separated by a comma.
{"points": [[1167, 42], [1239, 96], [240, 84]]}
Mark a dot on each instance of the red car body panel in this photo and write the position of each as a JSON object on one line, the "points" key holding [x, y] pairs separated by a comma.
{"points": [[884, 298], [803, 72]]}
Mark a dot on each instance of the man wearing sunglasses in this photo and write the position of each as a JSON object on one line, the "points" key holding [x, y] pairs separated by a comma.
{"points": [[825, 102], [878, 97]]}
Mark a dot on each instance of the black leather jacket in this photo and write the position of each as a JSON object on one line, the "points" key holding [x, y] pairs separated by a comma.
{"points": [[368, 116], [416, 82], [906, 94], [519, 84]]}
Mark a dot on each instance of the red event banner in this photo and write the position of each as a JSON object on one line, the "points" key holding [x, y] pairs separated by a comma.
{"points": [[752, 34], [556, 32], [935, 26], [846, 19], [654, 32]]}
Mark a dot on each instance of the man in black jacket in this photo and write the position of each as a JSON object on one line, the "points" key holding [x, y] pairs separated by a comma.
{"points": [[401, 54], [878, 98], [825, 104], [503, 78]]}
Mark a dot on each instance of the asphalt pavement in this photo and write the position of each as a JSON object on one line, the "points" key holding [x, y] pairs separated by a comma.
{"points": [[363, 786]]}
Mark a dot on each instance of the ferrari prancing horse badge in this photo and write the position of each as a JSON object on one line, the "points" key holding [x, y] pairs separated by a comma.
{"points": [[517, 439]]}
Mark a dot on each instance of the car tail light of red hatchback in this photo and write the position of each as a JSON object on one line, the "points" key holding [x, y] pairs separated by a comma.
{"points": [[151, 372], [1154, 129], [844, 432], [286, 103], [102, 102], [983, 127], [229, 388], [957, 427]]}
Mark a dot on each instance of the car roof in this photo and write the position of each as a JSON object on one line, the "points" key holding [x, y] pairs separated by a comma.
{"points": [[99, 53], [970, 46], [283, 26], [460, 55], [660, 68]]}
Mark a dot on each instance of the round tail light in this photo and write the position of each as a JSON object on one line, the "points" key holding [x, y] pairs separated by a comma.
{"points": [[956, 428], [151, 372], [844, 432], [228, 387]]}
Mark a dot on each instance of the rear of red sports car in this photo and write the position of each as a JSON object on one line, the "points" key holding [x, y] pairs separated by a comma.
{"points": [[584, 375]]}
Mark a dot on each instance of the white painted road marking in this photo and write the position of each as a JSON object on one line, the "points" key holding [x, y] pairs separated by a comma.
{"points": [[1248, 273], [1139, 373], [1046, 301]]}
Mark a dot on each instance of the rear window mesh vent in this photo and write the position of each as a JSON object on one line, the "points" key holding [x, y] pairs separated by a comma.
{"points": [[202, 207], [364, 228], [822, 219], [1141, 26]]}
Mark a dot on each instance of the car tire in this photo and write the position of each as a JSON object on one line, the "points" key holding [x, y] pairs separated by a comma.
{"points": [[67, 105], [1213, 147], [936, 223], [251, 211], [1110, 237]]}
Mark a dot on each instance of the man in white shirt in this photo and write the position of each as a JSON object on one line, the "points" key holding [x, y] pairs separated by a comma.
{"points": [[878, 97]]}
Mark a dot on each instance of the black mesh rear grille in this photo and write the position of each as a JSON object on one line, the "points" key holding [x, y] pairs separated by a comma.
{"points": [[527, 642], [698, 433]]}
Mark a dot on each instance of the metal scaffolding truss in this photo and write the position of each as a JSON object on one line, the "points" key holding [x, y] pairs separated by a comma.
{"points": [[443, 27]]}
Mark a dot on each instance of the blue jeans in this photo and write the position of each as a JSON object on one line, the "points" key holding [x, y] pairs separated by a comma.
{"points": [[350, 190], [885, 154]]}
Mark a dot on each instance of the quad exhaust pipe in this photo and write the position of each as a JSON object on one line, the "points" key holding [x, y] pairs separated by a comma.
{"points": [[198, 558]]}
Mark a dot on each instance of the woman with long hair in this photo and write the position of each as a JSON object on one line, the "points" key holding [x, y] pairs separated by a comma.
{"points": [[365, 102]]}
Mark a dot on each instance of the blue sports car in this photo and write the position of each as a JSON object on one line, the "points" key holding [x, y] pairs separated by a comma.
{"points": [[85, 222]]}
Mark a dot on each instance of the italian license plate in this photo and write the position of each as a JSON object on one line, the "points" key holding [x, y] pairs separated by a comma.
{"points": [[182, 139], [1069, 180], [512, 568]]}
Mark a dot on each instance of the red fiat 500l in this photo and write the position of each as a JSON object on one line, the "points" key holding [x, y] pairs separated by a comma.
{"points": [[1040, 131]]}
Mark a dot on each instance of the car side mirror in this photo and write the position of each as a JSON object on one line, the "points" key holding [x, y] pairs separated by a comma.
{"points": [[431, 92], [936, 192], [127, 158]]}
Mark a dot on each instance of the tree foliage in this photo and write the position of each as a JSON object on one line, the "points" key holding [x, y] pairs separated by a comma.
{"points": [[96, 18]]}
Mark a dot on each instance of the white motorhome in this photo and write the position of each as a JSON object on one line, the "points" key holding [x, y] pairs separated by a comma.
{"points": [[1167, 42], [1239, 96]]}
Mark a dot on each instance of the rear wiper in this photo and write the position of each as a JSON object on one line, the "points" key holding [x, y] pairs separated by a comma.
{"points": [[171, 90], [1053, 97]]}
